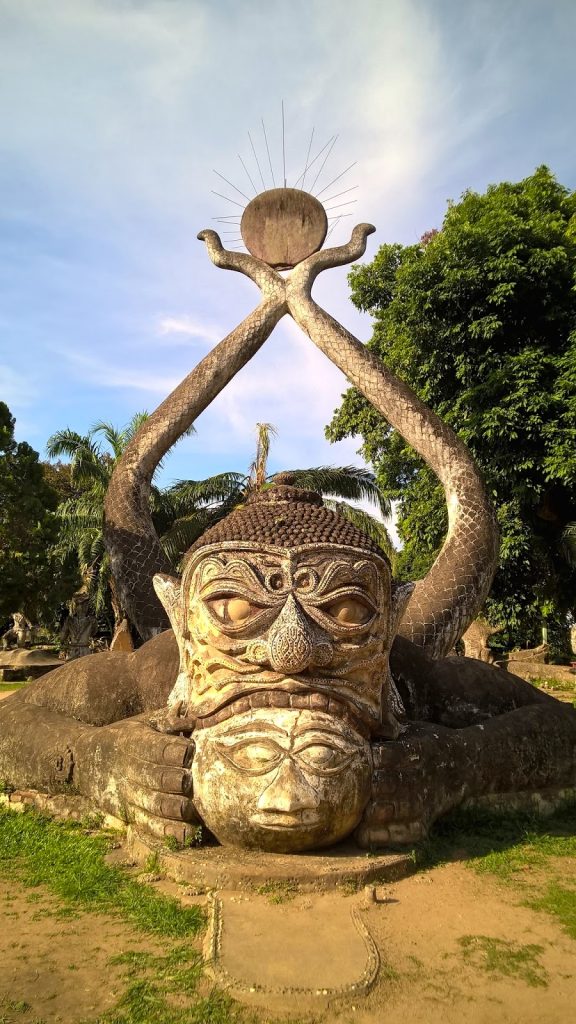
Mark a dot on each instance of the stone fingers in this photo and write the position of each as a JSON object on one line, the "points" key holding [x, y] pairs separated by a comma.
{"points": [[134, 739], [159, 779], [163, 805], [162, 828]]}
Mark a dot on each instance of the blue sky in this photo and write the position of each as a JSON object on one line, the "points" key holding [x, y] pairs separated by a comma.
{"points": [[115, 112]]}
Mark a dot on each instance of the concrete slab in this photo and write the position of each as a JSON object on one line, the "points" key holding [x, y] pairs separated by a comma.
{"points": [[316, 945]]}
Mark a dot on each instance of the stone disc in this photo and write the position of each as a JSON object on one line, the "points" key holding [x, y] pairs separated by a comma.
{"points": [[283, 226]]}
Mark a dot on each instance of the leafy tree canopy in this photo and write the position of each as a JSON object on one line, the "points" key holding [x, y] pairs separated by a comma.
{"points": [[32, 578], [480, 319]]}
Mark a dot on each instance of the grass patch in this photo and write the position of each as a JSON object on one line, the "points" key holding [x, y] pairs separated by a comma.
{"points": [[560, 902], [164, 990], [500, 843], [554, 685], [506, 959], [7, 687], [278, 892], [36, 850]]}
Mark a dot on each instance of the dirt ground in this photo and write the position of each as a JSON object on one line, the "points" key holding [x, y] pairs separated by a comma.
{"points": [[434, 932]]}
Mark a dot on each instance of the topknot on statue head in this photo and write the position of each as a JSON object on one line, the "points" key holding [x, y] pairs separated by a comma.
{"points": [[285, 516]]}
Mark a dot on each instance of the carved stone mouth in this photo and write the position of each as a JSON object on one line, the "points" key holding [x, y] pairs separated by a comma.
{"points": [[282, 820]]}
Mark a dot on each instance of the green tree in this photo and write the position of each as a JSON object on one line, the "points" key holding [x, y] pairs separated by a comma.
{"points": [[480, 319], [83, 483], [33, 579]]}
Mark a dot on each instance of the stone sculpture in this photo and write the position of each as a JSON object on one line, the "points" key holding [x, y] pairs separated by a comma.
{"points": [[19, 634], [78, 627], [301, 695], [476, 638]]}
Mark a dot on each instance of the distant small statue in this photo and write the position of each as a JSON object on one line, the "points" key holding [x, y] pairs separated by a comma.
{"points": [[475, 640], [78, 627], [19, 634]]}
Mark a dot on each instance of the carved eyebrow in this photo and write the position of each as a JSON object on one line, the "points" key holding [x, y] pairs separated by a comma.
{"points": [[255, 727], [324, 730]]}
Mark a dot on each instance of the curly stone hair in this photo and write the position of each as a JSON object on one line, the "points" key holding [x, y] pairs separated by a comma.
{"points": [[285, 516]]}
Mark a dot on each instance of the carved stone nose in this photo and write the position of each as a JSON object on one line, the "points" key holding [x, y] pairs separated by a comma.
{"points": [[291, 639], [295, 642], [289, 792]]}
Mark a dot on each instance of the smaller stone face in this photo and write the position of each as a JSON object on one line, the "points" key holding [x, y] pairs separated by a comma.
{"points": [[282, 780], [283, 226]]}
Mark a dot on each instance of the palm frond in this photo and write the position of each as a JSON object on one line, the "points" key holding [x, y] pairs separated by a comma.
{"points": [[115, 438], [183, 533], [64, 442], [259, 469], [375, 528], [200, 492], [351, 482]]}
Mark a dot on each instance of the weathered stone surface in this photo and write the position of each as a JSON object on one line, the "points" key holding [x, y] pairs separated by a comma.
{"points": [[288, 715], [475, 640], [223, 867], [283, 226]]}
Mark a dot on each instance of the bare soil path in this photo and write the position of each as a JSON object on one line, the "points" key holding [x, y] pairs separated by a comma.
{"points": [[454, 945]]}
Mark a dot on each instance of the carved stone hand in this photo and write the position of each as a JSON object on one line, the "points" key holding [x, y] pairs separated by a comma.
{"points": [[140, 775]]}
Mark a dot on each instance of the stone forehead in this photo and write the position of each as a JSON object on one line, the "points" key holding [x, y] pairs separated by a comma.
{"points": [[286, 522]]}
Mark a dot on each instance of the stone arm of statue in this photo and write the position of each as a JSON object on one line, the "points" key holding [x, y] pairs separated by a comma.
{"points": [[134, 549], [126, 769], [473, 730], [86, 728]]}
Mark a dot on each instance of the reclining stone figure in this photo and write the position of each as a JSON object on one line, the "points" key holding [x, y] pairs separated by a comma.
{"points": [[301, 695]]}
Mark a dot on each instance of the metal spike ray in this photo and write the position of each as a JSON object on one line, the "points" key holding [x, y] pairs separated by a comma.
{"points": [[313, 185], [337, 178], [268, 152], [227, 198], [344, 193], [232, 185], [257, 162], [248, 174], [335, 203], [283, 146], [317, 157], [303, 175]]}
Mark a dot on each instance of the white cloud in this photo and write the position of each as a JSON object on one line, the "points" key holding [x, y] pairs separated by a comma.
{"points": [[109, 373], [114, 113], [189, 327]]}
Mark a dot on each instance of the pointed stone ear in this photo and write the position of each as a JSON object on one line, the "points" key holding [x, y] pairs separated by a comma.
{"points": [[169, 592], [401, 593]]}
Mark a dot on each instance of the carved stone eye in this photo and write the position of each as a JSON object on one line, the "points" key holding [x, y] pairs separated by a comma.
{"points": [[323, 758], [349, 611], [233, 609], [254, 757]]}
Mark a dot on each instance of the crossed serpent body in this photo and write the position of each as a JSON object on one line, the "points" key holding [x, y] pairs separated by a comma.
{"points": [[444, 603]]}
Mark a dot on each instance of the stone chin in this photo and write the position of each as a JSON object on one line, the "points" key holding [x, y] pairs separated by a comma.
{"points": [[282, 780]]}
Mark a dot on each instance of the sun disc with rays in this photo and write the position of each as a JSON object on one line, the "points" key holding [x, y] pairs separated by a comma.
{"points": [[283, 226]]}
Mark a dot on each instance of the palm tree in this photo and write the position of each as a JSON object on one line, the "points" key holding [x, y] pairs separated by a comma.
{"points": [[93, 457], [350, 483]]}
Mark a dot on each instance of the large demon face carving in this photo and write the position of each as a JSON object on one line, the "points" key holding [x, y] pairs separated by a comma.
{"points": [[313, 618], [284, 667]]}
